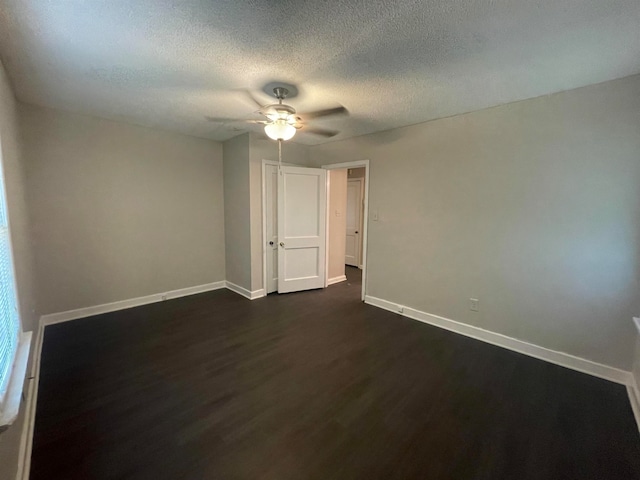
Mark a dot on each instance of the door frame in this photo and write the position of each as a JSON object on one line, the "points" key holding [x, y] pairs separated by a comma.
{"points": [[365, 223], [360, 182]]}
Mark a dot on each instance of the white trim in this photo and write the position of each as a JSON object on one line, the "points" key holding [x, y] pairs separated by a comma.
{"points": [[261, 292], [632, 390], [11, 402], [542, 353], [558, 358], [327, 220], [53, 318], [26, 439], [365, 234], [264, 221], [634, 400], [354, 164], [9, 216], [341, 278], [251, 295]]}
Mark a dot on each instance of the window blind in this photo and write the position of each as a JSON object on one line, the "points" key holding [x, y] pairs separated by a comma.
{"points": [[9, 320]]}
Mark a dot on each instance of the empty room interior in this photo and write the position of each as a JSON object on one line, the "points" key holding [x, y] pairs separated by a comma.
{"points": [[319, 240]]}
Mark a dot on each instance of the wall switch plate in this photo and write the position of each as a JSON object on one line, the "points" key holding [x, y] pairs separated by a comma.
{"points": [[474, 304]]}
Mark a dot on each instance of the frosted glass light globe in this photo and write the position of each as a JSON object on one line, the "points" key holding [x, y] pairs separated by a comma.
{"points": [[280, 130]]}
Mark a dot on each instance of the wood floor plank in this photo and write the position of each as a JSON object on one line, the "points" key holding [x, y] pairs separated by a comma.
{"points": [[312, 385]]}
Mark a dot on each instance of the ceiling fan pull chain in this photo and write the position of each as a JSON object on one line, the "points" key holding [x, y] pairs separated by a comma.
{"points": [[280, 156]]}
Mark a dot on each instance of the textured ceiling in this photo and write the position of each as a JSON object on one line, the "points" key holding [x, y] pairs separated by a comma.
{"points": [[168, 64]]}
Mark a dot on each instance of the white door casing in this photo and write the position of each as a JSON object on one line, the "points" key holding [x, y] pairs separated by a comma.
{"points": [[354, 222], [365, 214], [302, 203], [271, 220]]}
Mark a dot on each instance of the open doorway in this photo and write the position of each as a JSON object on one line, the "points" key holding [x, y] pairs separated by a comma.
{"points": [[347, 199], [345, 216], [355, 217], [347, 223]]}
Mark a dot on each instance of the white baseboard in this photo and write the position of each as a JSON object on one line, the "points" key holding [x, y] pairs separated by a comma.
{"points": [[251, 295], [632, 390], [634, 399], [26, 438], [542, 353], [53, 318], [341, 278], [12, 400]]}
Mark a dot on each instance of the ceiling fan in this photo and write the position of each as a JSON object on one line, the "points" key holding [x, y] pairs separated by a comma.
{"points": [[282, 122]]}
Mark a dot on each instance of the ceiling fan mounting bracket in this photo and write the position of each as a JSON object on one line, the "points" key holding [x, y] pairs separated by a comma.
{"points": [[280, 93], [270, 89]]}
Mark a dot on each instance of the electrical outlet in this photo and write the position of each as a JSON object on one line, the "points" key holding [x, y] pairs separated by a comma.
{"points": [[374, 215], [474, 304]]}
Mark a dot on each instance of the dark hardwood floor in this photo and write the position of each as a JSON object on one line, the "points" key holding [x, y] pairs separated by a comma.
{"points": [[313, 385]]}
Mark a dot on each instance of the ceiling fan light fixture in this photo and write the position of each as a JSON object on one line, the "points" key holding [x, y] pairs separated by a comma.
{"points": [[280, 130]]}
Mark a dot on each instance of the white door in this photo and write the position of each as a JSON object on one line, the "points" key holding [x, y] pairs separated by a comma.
{"points": [[354, 219], [302, 204], [271, 199]]}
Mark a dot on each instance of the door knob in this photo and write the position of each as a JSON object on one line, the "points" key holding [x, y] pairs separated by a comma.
{"points": [[271, 243], [356, 232], [282, 244]]}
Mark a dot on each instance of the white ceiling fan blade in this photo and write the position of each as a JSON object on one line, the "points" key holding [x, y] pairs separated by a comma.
{"points": [[323, 132], [221, 119], [233, 120], [325, 113], [251, 97]]}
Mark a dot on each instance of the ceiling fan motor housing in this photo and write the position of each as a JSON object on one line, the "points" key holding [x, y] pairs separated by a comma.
{"points": [[278, 111]]}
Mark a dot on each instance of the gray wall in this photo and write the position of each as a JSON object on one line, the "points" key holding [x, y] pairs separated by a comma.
{"points": [[237, 211], [243, 157], [532, 207], [14, 177], [119, 211]]}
